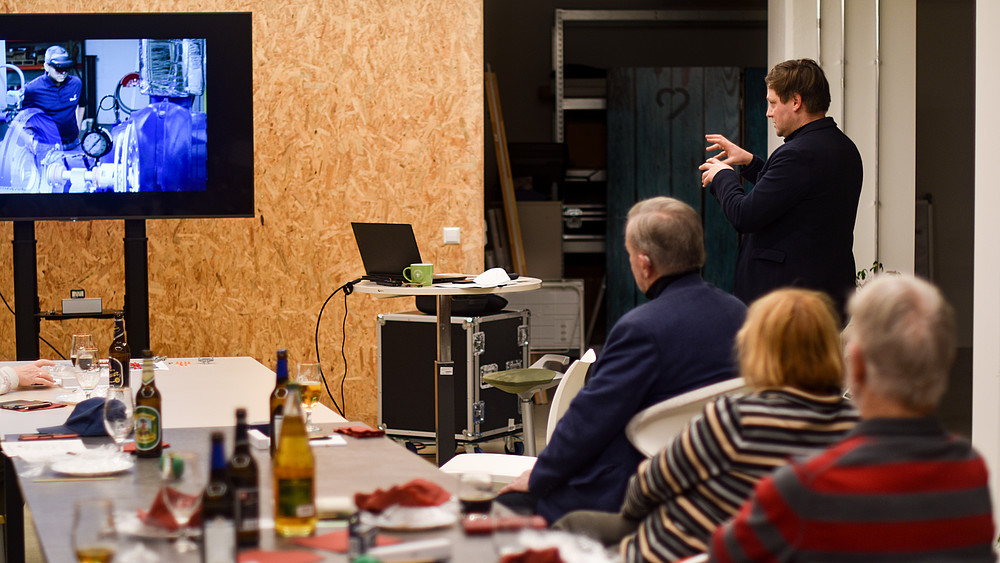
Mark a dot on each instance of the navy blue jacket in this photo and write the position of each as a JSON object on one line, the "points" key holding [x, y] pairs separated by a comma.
{"points": [[58, 101], [681, 340], [798, 220]]}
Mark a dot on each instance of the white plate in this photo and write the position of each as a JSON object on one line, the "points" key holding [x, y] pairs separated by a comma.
{"points": [[93, 466], [414, 517]]}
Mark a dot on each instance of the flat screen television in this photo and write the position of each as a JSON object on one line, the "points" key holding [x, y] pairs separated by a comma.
{"points": [[126, 116]]}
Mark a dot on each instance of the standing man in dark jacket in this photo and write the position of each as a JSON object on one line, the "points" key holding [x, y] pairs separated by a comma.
{"points": [[680, 340], [798, 220]]}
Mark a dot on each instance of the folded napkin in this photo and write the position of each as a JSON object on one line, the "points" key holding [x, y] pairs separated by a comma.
{"points": [[159, 515], [418, 492], [360, 431], [547, 555], [337, 541], [476, 526], [267, 556]]}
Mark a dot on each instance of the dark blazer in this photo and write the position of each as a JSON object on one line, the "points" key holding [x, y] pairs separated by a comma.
{"points": [[681, 340], [798, 220]]}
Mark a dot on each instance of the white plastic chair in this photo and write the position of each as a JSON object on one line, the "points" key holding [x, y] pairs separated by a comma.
{"points": [[654, 427], [504, 468]]}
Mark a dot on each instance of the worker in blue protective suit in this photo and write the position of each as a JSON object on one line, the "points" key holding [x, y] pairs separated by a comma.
{"points": [[60, 96]]}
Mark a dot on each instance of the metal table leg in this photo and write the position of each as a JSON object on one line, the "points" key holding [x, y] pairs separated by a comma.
{"points": [[444, 384]]}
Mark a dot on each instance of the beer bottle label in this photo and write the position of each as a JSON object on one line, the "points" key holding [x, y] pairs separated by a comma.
{"points": [[219, 542], [295, 498], [147, 428], [115, 371], [247, 508]]}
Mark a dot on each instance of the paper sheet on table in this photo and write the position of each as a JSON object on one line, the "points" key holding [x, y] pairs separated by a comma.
{"points": [[42, 450]]}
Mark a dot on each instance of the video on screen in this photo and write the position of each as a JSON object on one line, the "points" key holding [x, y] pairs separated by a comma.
{"points": [[104, 116]]}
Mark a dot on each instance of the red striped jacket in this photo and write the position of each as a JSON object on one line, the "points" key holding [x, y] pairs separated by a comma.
{"points": [[895, 489]]}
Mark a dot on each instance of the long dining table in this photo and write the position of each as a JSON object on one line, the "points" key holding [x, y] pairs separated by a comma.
{"points": [[196, 393], [360, 465]]}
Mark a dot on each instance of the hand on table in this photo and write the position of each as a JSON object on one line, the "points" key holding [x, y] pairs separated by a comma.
{"points": [[33, 374], [519, 485]]}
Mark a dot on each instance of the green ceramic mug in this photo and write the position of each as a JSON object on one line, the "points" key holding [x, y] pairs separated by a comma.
{"points": [[420, 274]]}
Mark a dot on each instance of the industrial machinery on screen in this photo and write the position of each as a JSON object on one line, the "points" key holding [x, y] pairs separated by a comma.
{"points": [[158, 147]]}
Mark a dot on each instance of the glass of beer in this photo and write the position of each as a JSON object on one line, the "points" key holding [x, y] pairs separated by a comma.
{"points": [[94, 535], [79, 341], [476, 494], [88, 369], [310, 382]]}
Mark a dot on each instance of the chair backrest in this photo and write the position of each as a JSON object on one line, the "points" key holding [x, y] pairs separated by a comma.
{"points": [[654, 427], [570, 384]]}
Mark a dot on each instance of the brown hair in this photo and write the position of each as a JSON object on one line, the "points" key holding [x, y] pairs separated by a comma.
{"points": [[803, 77], [792, 337]]}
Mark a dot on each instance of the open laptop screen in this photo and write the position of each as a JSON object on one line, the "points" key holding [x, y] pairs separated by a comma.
{"points": [[386, 248]]}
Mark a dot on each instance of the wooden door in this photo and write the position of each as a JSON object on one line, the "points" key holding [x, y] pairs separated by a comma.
{"points": [[657, 121]]}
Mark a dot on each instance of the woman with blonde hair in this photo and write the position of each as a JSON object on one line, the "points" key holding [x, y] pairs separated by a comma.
{"points": [[791, 357]]}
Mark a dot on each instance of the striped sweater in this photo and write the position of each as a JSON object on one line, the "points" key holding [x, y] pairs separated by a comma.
{"points": [[896, 490], [700, 480]]}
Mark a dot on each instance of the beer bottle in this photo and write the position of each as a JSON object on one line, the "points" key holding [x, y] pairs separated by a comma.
{"points": [[148, 413], [294, 473], [217, 529], [119, 356], [278, 399], [246, 489]]}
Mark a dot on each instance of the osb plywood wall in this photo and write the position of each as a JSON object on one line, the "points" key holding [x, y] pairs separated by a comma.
{"points": [[364, 110]]}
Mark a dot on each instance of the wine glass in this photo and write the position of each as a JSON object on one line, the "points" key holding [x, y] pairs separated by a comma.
{"points": [[119, 408], [94, 537], [183, 480], [88, 369], [308, 378], [79, 341]]}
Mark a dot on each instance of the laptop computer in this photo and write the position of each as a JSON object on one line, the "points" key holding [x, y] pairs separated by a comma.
{"points": [[386, 249]]}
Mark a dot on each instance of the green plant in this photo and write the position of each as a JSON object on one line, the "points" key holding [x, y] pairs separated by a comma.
{"points": [[863, 275]]}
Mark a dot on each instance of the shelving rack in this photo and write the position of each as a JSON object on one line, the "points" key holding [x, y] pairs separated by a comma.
{"points": [[562, 17]]}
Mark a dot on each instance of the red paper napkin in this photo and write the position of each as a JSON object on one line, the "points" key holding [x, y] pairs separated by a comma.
{"points": [[129, 448], [418, 492], [547, 555], [291, 556], [360, 431], [159, 515], [476, 526], [337, 540]]}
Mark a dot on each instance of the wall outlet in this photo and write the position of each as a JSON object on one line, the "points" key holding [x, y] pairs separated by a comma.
{"points": [[452, 235]]}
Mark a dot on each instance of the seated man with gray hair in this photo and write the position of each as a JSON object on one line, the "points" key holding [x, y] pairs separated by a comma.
{"points": [[682, 339], [898, 487]]}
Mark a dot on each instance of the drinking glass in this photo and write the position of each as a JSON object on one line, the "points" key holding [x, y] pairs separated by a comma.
{"points": [[309, 380], [88, 369], [79, 341], [119, 408], [183, 480], [94, 537], [476, 494]]}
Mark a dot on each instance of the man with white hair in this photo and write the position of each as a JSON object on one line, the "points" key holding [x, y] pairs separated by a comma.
{"points": [[682, 339], [899, 487]]}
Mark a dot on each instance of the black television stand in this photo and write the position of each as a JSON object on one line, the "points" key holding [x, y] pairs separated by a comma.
{"points": [[28, 317]]}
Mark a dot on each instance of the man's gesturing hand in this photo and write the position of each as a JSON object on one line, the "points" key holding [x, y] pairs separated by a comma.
{"points": [[733, 153]]}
